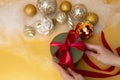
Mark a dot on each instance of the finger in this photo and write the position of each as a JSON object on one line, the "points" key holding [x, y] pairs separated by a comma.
{"points": [[63, 73], [72, 72], [75, 75], [92, 47], [93, 54]]}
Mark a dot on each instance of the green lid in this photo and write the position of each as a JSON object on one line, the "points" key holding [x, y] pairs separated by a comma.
{"points": [[75, 54]]}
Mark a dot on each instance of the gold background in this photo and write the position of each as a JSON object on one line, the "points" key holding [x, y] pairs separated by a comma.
{"points": [[23, 58]]}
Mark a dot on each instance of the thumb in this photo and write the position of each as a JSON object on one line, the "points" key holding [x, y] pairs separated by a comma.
{"points": [[91, 53], [72, 72], [63, 73]]}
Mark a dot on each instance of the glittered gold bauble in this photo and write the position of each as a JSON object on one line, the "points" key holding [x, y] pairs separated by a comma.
{"points": [[65, 6], [78, 12], [29, 31], [30, 10], [61, 17], [70, 23], [92, 18], [47, 6], [85, 30]]}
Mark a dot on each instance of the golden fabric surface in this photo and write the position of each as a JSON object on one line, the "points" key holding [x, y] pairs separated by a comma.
{"points": [[23, 58]]}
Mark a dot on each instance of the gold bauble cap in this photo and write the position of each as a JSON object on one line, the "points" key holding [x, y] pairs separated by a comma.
{"points": [[92, 18], [65, 6], [30, 10]]}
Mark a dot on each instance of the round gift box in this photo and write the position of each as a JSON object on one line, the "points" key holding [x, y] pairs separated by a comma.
{"points": [[75, 54]]}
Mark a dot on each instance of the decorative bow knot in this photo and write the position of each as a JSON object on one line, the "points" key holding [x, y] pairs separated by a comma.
{"points": [[63, 49]]}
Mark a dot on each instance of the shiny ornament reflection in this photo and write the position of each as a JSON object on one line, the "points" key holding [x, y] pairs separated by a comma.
{"points": [[30, 10], [92, 18], [70, 23], [61, 17], [78, 12], [85, 30], [65, 6], [44, 26], [47, 6], [29, 31]]}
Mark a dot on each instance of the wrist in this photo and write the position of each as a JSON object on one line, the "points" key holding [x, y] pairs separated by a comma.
{"points": [[116, 61]]}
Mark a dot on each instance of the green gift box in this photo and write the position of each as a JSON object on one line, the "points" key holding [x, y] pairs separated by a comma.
{"points": [[75, 54]]}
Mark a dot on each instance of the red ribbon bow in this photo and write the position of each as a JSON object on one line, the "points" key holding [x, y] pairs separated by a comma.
{"points": [[71, 42]]}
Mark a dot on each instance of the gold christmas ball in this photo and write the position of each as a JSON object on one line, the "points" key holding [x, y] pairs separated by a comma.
{"points": [[29, 31], [65, 6], [70, 23], [92, 18], [84, 30], [30, 10], [61, 17]]}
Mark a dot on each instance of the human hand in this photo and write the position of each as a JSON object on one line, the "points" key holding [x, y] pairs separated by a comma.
{"points": [[70, 75], [102, 54]]}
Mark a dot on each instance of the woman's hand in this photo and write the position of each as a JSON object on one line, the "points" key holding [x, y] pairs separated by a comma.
{"points": [[70, 75], [102, 54]]}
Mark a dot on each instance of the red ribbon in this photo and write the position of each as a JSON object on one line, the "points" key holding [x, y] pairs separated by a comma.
{"points": [[91, 64], [65, 58], [71, 42]]}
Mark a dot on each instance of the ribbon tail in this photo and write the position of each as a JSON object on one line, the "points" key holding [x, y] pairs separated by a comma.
{"points": [[118, 50], [105, 42], [65, 60], [91, 64], [95, 74], [69, 61]]}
